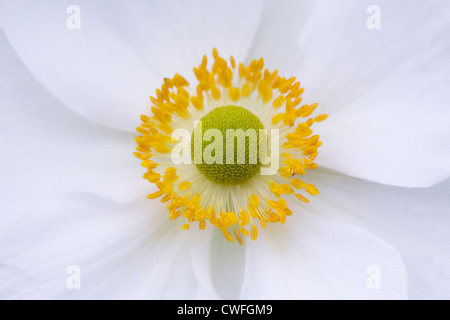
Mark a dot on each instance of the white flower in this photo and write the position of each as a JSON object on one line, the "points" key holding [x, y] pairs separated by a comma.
{"points": [[72, 193]]}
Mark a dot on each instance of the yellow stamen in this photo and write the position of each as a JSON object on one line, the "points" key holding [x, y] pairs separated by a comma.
{"points": [[253, 233]]}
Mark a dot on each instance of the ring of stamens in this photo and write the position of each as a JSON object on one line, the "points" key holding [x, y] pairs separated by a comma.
{"points": [[234, 209]]}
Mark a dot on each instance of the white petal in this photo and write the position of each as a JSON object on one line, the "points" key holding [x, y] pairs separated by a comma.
{"points": [[414, 221], [47, 149], [219, 264], [200, 25], [125, 251], [276, 38], [385, 90], [107, 69], [315, 258]]}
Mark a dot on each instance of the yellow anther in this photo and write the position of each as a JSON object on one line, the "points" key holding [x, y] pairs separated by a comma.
{"points": [[185, 226], [320, 117], [311, 189], [309, 150], [170, 175], [215, 93], [185, 185], [241, 70], [168, 82], [155, 195], [246, 90], [286, 189], [277, 118], [228, 236], [244, 217], [194, 202], [232, 217], [215, 54], [253, 212], [253, 232], [273, 75], [166, 198], [197, 102], [309, 122], [174, 214], [297, 183], [276, 82], [273, 204], [145, 119], [153, 177], [165, 127], [282, 217], [238, 236], [260, 63], [263, 222], [282, 204], [161, 148], [278, 102], [306, 110], [253, 66], [234, 94], [285, 172], [165, 186], [155, 101], [254, 200], [243, 231], [302, 198], [143, 156], [233, 63], [312, 141], [276, 189], [313, 156], [187, 213], [180, 81], [285, 87], [294, 90], [303, 130]]}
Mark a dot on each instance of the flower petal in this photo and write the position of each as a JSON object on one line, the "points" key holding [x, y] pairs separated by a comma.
{"points": [[315, 258], [414, 221], [275, 40], [122, 251], [219, 264], [200, 25], [385, 90], [47, 149], [106, 69]]}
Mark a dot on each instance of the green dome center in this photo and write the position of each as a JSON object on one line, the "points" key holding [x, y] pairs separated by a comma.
{"points": [[242, 161]]}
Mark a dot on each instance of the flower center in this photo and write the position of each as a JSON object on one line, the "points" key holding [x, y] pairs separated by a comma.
{"points": [[230, 145], [230, 185]]}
